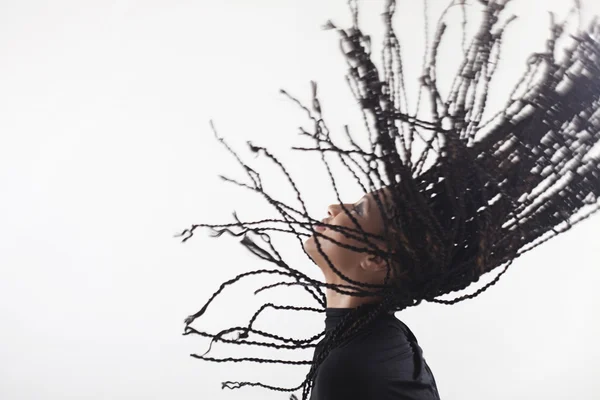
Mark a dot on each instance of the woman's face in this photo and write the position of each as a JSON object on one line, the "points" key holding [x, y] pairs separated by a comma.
{"points": [[362, 267]]}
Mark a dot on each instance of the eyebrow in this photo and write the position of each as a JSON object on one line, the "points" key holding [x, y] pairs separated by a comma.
{"points": [[371, 200], [366, 200]]}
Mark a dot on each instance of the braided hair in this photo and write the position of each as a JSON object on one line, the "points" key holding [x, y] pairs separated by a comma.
{"points": [[465, 195]]}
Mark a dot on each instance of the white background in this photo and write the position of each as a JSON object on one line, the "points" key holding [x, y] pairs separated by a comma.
{"points": [[106, 153]]}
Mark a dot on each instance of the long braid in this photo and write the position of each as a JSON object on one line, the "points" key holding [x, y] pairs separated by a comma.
{"points": [[478, 195]]}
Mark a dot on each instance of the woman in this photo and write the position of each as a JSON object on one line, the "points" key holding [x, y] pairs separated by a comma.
{"points": [[384, 361], [449, 196]]}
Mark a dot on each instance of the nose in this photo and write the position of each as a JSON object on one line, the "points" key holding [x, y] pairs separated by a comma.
{"points": [[333, 210]]}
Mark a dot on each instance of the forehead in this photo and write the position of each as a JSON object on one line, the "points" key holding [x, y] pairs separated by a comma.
{"points": [[374, 215], [383, 194], [384, 197]]}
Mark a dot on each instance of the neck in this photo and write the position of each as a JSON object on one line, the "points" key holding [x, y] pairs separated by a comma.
{"points": [[339, 300]]}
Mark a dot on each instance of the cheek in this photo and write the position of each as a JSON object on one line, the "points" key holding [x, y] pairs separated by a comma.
{"points": [[337, 254]]}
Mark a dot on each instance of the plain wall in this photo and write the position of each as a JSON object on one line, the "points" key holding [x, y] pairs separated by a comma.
{"points": [[106, 152]]}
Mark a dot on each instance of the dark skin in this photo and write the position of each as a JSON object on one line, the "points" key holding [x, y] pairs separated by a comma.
{"points": [[360, 267]]}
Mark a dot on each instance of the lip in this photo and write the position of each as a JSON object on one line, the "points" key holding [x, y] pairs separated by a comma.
{"points": [[320, 228]]}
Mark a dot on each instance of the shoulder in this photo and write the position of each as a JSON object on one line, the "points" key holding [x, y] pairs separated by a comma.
{"points": [[385, 339], [387, 329]]}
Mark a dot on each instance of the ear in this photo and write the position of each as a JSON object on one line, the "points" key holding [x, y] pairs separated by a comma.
{"points": [[373, 263]]}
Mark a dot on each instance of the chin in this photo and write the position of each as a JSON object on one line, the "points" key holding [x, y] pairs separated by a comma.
{"points": [[309, 243], [311, 249]]}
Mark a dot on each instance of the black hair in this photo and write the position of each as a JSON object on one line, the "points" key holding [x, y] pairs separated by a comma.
{"points": [[478, 195]]}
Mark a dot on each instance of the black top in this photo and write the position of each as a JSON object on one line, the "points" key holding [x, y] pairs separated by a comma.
{"points": [[383, 361]]}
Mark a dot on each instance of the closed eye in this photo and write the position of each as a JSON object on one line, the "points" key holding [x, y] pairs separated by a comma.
{"points": [[358, 209]]}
